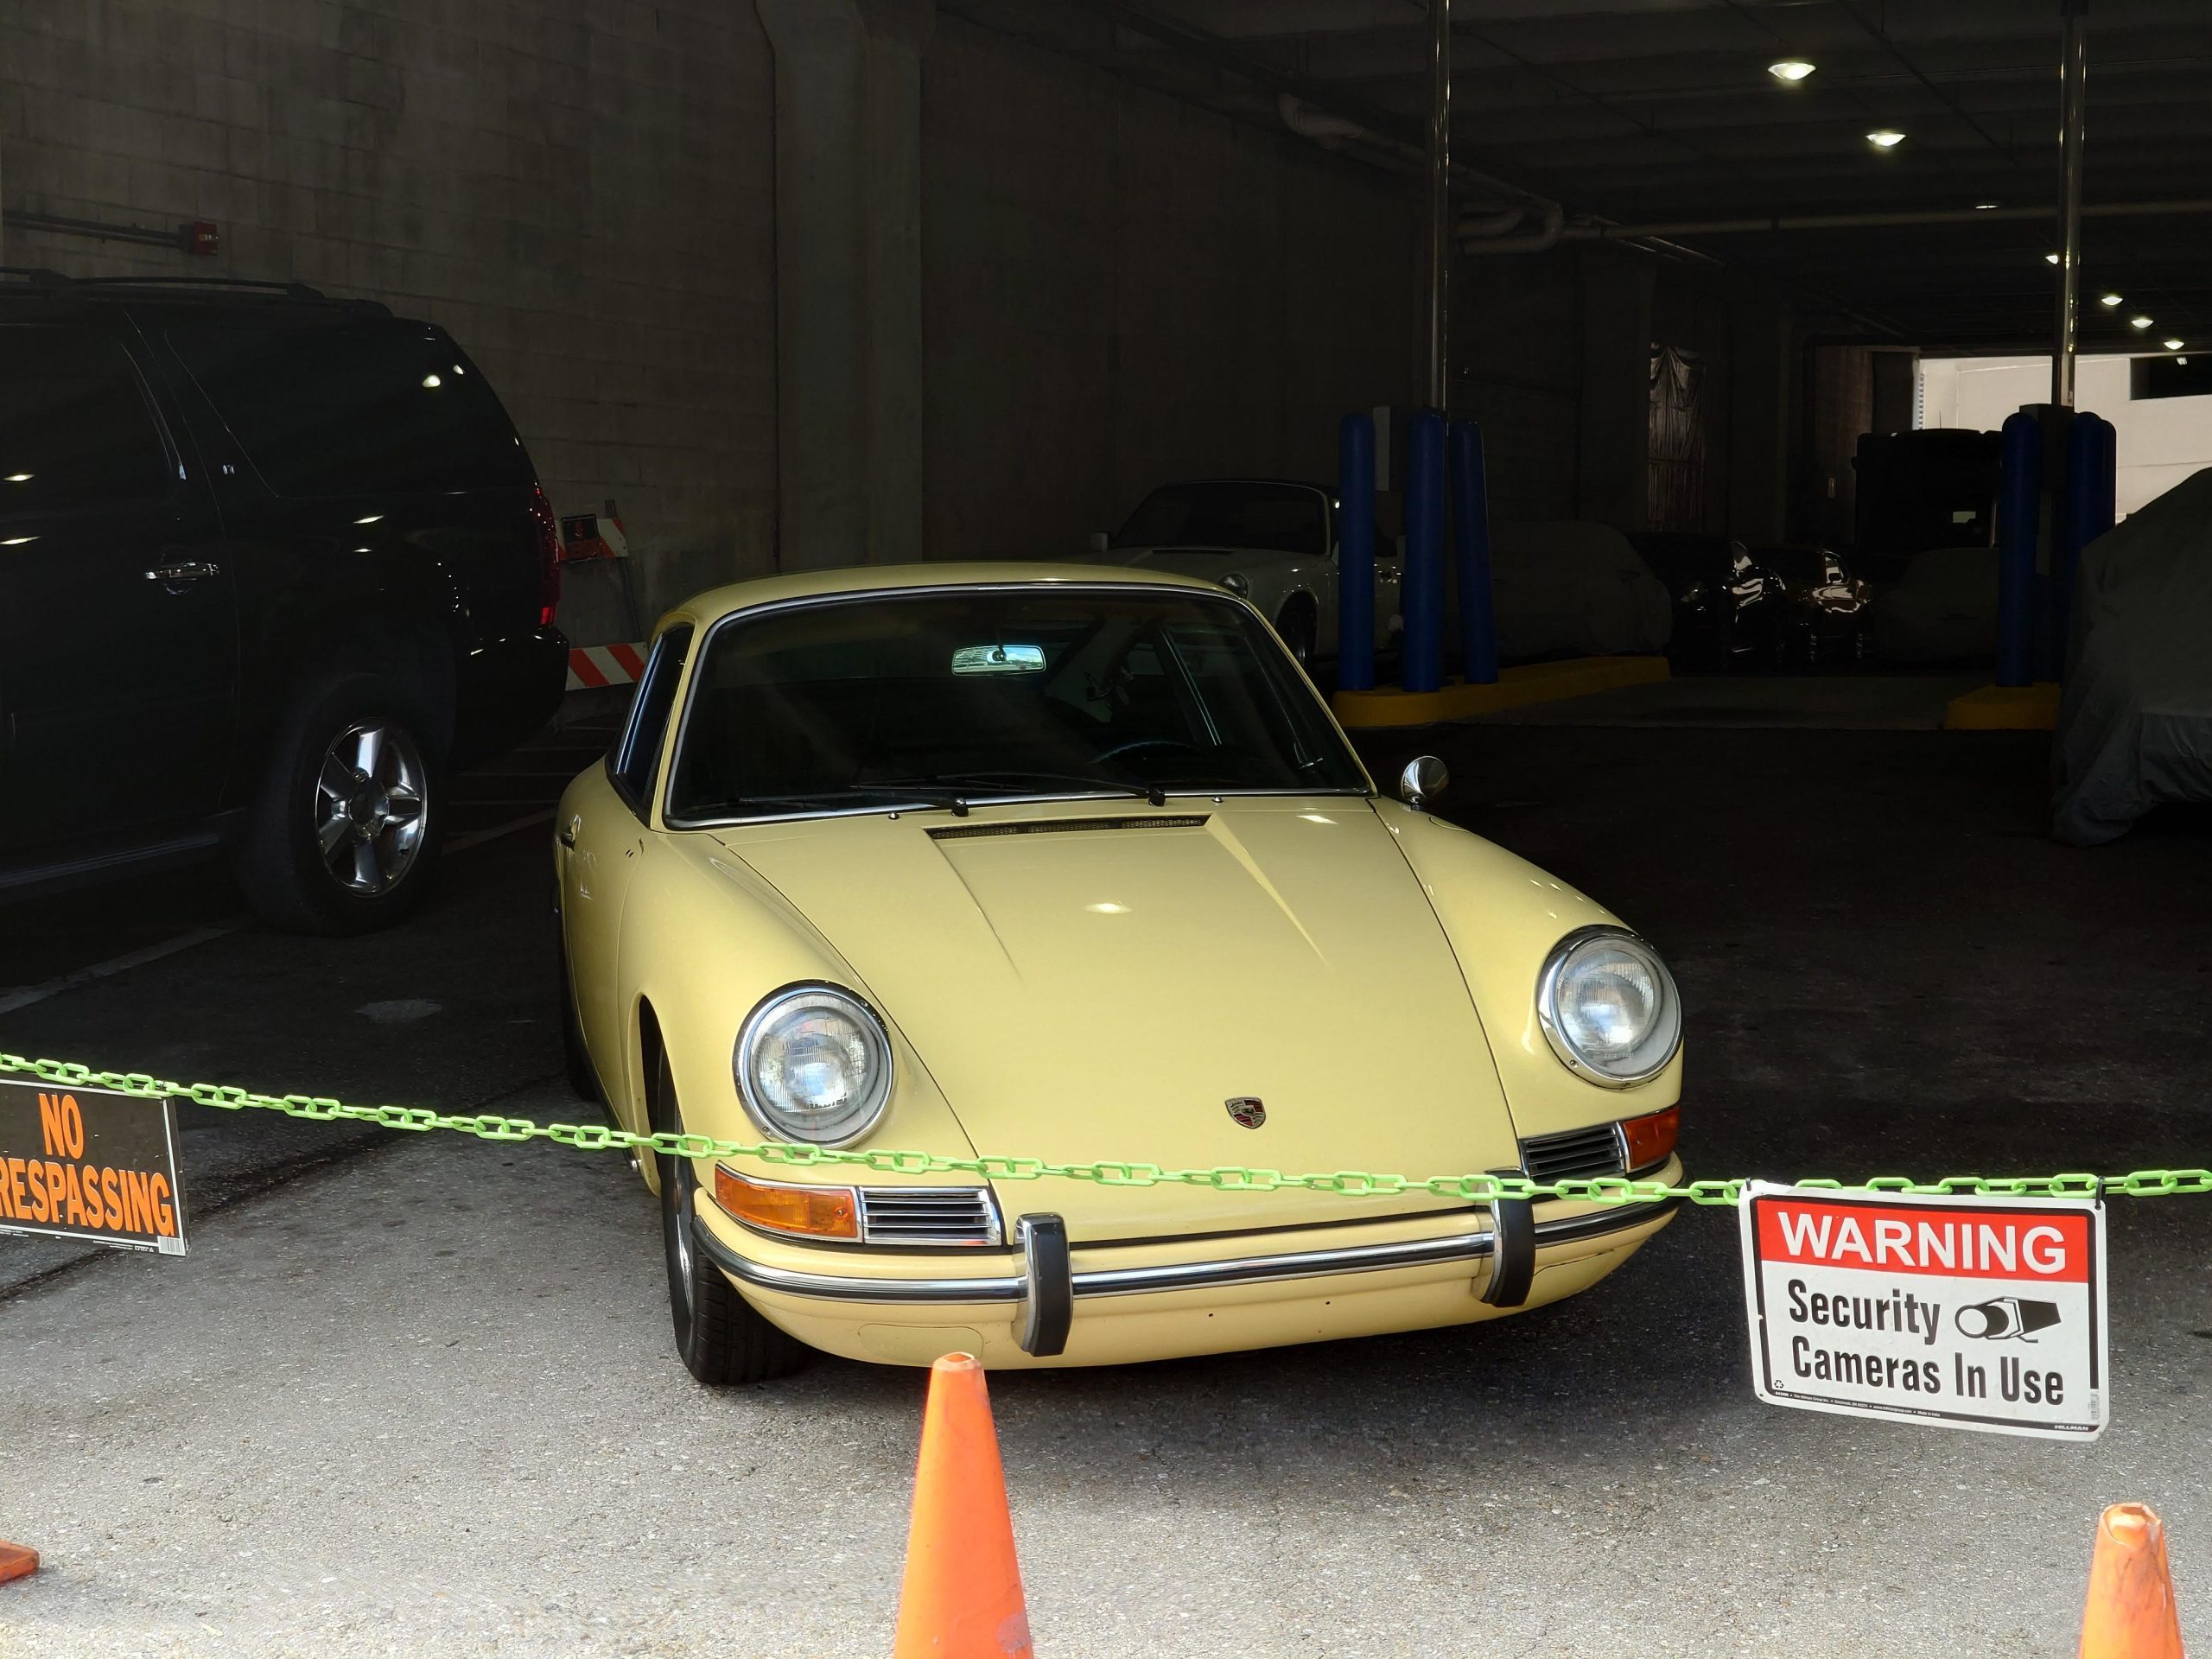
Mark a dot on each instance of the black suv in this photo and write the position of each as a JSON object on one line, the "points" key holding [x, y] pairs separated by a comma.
{"points": [[271, 566]]}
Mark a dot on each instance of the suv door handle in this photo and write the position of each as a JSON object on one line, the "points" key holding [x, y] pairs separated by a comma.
{"points": [[566, 835], [167, 575]]}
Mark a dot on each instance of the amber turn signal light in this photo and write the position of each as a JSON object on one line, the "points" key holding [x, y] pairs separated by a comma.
{"points": [[810, 1211], [1652, 1140]]}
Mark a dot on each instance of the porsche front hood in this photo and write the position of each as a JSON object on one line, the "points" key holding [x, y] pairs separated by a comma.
{"points": [[1091, 981]]}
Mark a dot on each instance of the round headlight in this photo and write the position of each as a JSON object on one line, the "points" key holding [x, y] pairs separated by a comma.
{"points": [[1609, 1007], [813, 1064]]}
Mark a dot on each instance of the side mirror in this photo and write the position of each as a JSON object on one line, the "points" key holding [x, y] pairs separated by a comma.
{"points": [[1424, 776], [1096, 541]]}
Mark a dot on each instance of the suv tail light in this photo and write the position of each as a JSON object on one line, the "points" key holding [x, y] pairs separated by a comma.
{"points": [[549, 556]]}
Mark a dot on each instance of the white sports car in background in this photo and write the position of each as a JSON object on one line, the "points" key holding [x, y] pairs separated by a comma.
{"points": [[1268, 540]]}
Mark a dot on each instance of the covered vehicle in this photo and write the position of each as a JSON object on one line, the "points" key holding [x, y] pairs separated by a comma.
{"points": [[1573, 589], [2135, 724], [1941, 609], [1271, 540], [1012, 870]]}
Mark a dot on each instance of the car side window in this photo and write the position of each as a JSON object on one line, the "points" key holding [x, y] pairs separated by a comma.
{"points": [[636, 761], [74, 428], [354, 407]]}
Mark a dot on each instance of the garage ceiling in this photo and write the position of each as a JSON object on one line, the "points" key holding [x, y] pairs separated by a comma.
{"points": [[1635, 111]]}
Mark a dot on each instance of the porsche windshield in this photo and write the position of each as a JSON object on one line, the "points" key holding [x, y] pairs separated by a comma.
{"points": [[950, 695]]}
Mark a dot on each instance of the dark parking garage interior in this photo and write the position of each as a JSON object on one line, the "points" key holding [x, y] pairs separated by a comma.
{"points": [[776, 287]]}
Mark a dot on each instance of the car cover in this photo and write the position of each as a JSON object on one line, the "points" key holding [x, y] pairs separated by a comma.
{"points": [[2135, 723], [1941, 609], [1575, 590]]}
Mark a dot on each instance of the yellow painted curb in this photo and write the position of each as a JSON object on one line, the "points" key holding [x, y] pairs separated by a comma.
{"points": [[1578, 677], [2004, 708]]}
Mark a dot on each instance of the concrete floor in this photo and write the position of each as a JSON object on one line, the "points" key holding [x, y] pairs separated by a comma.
{"points": [[1826, 700], [419, 1396]]}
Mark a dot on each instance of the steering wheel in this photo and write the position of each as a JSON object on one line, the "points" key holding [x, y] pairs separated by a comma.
{"points": [[1136, 743]]}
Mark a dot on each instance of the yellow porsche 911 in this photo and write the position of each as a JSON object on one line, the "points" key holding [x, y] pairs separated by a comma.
{"points": [[1073, 865]]}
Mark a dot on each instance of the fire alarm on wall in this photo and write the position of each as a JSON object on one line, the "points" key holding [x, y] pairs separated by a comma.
{"points": [[200, 236]]}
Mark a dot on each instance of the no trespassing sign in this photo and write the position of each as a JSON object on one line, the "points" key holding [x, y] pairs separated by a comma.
{"points": [[1970, 1312]]}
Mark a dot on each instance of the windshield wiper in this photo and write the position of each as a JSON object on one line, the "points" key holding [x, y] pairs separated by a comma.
{"points": [[1151, 792], [898, 796]]}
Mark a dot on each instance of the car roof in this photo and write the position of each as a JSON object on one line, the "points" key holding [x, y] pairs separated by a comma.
{"points": [[718, 602], [243, 295]]}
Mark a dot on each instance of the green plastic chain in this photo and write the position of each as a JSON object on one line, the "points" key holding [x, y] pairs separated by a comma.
{"points": [[1228, 1178]]}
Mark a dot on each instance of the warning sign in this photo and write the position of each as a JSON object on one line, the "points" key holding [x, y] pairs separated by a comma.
{"points": [[1983, 1313], [90, 1164]]}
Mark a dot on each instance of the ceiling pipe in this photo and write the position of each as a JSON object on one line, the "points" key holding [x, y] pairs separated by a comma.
{"points": [[1486, 225], [1542, 239], [1861, 222], [1334, 131], [1330, 131]]}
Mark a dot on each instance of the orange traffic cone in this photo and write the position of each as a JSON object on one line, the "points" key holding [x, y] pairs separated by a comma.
{"points": [[16, 1562], [2131, 1611], [962, 1595]]}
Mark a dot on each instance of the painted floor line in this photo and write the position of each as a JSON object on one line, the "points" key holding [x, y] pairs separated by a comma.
{"points": [[23, 996]]}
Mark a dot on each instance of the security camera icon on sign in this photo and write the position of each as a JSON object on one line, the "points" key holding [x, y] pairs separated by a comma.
{"points": [[2006, 1317]]}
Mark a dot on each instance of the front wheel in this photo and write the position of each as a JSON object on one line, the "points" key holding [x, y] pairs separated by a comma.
{"points": [[344, 837], [721, 1338]]}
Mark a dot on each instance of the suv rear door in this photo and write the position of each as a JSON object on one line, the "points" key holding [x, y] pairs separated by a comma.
{"points": [[119, 625]]}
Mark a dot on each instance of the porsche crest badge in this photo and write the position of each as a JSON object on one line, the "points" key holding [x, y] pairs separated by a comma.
{"points": [[1248, 1110]]}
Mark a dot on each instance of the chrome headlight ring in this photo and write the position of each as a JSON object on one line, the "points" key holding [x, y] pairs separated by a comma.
{"points": [[813, 1064], [1648, 1046]]}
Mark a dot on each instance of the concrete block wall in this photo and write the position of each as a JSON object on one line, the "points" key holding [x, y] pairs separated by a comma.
{"points": [[579, 189], [1516, 337], [1120, 289]]}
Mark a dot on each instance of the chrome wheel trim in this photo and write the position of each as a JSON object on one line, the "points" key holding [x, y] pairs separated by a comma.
{"points": [[368, 809], [685, 1184]]}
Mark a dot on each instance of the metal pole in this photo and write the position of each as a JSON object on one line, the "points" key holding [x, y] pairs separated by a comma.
{"points": [[2073, 88], [1439, 197]]}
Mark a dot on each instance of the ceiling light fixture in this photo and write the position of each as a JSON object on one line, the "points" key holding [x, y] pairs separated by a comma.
{"points": [[2110, 299], [1984, 206], [1789, 71], [2174, 345], [2138, 322], [1885, 137], [2050, 258]]}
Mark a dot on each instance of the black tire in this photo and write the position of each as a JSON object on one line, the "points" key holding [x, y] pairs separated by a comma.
{"points": [[721, 1338], [281, 862], [1300, 630]]}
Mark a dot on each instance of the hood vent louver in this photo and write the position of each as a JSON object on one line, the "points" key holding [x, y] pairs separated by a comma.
{"points": [[1070, 826]]}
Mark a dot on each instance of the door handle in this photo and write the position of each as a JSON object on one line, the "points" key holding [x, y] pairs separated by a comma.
{"points": [[168, 574], [566, 835]]}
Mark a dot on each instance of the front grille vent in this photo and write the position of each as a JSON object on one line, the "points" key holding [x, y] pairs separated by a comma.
{"points": [[1067, 826], [933, 1217], [1575, 1154]]}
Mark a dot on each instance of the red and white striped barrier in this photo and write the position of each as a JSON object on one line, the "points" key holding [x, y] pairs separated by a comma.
{"points": [[591, 667]]}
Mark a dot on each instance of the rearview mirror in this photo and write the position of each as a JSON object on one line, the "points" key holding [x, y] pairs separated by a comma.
{"points": [[1424, 776], [1096, 541]]}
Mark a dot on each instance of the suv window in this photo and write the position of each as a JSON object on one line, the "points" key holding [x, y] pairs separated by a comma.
{"points": [[636, 752], [74, 428], [353, 408]]}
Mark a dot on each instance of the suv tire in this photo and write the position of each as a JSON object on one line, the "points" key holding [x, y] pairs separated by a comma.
{"points": [[721, 1337], [343, 837]]}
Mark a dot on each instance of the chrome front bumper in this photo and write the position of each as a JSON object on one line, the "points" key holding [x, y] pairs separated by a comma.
{"points": [[1046, 1288]]}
